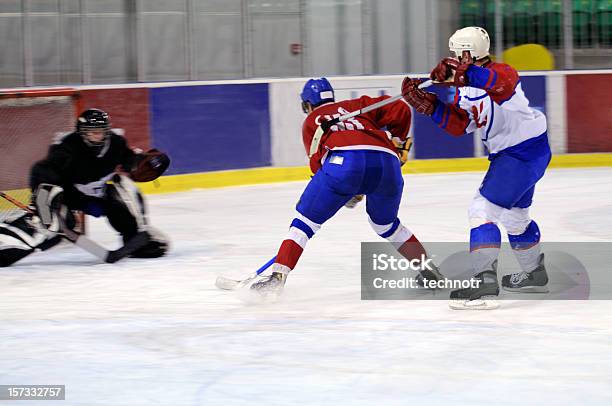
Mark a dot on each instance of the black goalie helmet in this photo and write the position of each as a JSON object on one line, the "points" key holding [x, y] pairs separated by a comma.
{"points": [[94, 119], [90, 120]]}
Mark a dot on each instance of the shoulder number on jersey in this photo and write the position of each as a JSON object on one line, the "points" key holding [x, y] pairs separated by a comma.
{"points": [[350, 124]]}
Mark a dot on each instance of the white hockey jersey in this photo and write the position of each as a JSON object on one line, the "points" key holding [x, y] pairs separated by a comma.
{"points": [[502, 125], [497, 107]]}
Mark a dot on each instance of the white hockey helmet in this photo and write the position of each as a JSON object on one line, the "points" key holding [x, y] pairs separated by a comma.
{"points": [[473, 39]]}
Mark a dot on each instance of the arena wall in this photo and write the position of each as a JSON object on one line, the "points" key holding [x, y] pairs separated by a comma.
{"points": [[249, 131]]}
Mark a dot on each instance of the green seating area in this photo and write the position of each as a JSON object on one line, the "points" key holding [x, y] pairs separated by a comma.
{"points": [[541, 21]]}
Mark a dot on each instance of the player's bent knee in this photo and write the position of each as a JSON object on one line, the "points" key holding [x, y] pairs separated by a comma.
{"points": [[482, 211], [486, 235], [394, 232], [527, 239], [516, 220], [302, 229]]}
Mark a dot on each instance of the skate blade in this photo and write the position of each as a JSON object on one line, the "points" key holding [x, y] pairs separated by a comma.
{"points": [[232, 284], [250, 296], [527, 289], [227, 283], [478, 304]]}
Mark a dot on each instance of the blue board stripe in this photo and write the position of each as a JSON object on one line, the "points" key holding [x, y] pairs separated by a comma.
{"points": [[212, 127]]}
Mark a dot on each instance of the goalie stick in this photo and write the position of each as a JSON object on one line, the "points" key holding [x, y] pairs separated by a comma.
{"points": [[80, 240], [232, 284], [326, 125]]}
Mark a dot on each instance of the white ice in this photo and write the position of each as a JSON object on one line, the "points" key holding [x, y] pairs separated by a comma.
{"points": [[149, 332]]}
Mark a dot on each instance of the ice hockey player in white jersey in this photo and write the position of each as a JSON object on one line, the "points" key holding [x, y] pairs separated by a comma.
{"points": [[489, 97]]}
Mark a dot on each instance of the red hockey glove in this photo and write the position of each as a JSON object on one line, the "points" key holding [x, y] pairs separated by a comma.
{"points": [[452, 71], [422, 101], [461, 78], [444, 70]]}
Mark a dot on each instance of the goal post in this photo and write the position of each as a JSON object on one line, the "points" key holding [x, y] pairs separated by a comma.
{"points": [[30, 119]]}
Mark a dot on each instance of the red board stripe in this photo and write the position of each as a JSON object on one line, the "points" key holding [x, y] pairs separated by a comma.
{"points": [[589, 113]]}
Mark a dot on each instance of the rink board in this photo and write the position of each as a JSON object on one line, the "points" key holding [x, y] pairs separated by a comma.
{"points": [[207, 128], [226, 125], [255, 125], [206, 180]]}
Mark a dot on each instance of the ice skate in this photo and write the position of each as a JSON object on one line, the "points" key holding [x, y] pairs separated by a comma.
{"points": [[432, 274], [481, 297], [270, 286], [527, 282]]}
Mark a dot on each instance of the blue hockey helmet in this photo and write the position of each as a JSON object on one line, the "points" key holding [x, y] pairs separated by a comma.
{"points": [[316, 92]]}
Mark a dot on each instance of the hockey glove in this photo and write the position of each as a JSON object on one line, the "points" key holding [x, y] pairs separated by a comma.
{"points": [[444, 70], [351, 204], [402, 150], [451, 71], [422, 101], [461, 78], [149, 166]]}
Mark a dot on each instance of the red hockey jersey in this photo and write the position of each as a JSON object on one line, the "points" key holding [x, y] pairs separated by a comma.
{"points": [[374, 130]]}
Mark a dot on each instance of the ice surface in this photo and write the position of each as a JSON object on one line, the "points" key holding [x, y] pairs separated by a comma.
{"points": [[147, 332]]}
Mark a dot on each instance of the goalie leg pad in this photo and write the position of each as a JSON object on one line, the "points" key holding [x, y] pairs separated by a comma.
{"points": [[49, 206], [12, 248], [8, 256], [126, 213], [22, 236], [125, 207]]}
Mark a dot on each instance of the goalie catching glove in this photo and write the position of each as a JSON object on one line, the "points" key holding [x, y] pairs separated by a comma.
{"points": [[149, 166]]}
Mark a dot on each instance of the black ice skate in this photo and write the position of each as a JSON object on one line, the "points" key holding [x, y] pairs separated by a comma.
{"points": [[527, 282], [480, 297], [432, 274], [271, 285]]}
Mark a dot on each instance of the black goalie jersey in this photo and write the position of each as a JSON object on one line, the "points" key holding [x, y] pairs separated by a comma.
{"points": [[75, 165]]}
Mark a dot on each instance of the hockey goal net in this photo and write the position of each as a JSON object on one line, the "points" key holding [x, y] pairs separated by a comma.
{"points": [[29, 121]]}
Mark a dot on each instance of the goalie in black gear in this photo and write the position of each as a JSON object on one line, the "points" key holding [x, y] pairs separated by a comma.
{"points": [[84, 170]]}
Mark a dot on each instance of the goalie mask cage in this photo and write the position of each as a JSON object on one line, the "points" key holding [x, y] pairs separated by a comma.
{"points": [[29, 121]]}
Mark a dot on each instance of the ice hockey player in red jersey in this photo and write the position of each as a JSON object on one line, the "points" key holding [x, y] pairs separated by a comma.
{"points": [[490, 99], [353, 158]]}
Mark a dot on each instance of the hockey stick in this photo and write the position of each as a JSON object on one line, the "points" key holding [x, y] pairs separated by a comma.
{"points": [[232, 284], [16, 202], [135, 243], [326, 125]]}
